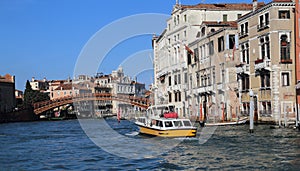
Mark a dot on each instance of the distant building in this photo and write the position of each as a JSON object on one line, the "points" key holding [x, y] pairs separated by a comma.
{"points": [[19, 97], [7, 93], [40, 85], [117, 83]]}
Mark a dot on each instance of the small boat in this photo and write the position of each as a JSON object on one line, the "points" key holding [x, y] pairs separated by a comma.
{"points": [[237, 122], [166, 124]]}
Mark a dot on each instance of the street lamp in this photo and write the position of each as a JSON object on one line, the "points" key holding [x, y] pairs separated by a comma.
{"points": [[251, 94]]}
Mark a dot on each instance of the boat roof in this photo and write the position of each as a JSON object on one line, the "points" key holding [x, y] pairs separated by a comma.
{"points": [[170, 119]]}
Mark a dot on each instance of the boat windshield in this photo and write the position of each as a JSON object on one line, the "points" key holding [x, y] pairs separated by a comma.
{"points": [[159, 123], [178, 123], [168, 124], [187, 123]]}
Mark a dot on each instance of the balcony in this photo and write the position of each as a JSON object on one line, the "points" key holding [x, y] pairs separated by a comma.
{"points": [[220, 86], [286, 61], [185, 87], [243, 68], [243, 35], [262, 26], [265, 94], [206, 89], [265, 113], [177, 87], [260, 64]]}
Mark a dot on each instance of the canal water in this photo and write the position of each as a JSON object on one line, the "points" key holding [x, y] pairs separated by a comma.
{"points": [[64, 145]]}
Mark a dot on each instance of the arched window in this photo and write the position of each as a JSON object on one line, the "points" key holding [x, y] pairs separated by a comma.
{"points": [[203, 31], [284, 48]]}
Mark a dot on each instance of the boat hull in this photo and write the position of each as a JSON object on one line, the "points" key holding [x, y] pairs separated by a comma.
{"points": [[227, 123], [186, 132]]}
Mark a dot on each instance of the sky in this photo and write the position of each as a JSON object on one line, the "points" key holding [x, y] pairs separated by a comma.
{"points": [[44, 38]]}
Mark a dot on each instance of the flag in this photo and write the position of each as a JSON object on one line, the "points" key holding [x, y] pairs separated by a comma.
{"points": [[188, 49]]}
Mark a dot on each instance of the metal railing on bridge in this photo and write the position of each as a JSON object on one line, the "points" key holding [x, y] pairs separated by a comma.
{"points": [[41, 107]]}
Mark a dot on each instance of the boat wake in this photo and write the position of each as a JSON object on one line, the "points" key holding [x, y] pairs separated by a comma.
{"points": [[132, 134], [187, 138]]}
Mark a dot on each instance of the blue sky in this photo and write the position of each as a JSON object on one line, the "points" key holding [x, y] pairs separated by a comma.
{"points": [[43, 38]]}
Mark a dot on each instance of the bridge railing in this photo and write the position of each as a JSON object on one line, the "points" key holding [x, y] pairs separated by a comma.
{"points": [[94, 96]]}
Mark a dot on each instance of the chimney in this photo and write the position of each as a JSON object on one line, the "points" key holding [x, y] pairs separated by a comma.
{"points": [[254, 5], [32, 79]]}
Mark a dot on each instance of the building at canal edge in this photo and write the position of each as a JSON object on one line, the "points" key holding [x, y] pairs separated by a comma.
{"points": [[210, 56]]}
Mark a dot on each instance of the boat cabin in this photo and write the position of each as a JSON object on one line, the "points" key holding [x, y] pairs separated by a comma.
{"points": [[170, 123]]}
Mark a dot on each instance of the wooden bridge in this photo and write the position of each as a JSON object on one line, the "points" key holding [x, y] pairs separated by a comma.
{"points": [[44, 106]]}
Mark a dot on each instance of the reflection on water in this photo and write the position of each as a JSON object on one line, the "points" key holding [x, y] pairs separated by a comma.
{"points": [[63, 145]]}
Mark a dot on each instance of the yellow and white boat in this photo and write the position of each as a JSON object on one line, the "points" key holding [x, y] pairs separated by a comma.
{"points": [[166, 124]]}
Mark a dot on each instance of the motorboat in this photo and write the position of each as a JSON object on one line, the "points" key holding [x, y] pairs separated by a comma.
{"points": [[164, 122]]}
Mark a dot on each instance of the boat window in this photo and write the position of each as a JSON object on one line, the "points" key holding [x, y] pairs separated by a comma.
{"points": [[159, 123], [187, 123], [142, 120], [178, 123], [168, 124]]}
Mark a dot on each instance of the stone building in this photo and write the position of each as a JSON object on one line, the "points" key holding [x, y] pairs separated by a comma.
{"points": [[211, 60], [267, 61], [173, 83], [7, 93], [124, 85], [40, 85]]}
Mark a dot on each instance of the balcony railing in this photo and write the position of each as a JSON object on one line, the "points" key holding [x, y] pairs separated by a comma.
{"points": [[286, 61], [245, 113], [243, 34], [262, 64], [220, 86], [243, 68], [265, 113], [262, 26]]}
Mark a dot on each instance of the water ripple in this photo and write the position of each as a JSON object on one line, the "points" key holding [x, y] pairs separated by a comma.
{"points": [[63, 145]]}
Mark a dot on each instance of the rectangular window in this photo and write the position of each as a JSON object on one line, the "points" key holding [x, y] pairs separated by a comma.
{"points": [[231, 41], [196, 55], [267, 19], [245, 83], [185, 78], [245, 53], [221, 44], [179, 79], [261, 21], [239, 16], [189, 58], [198, 79], [284, 14], [175, 79], [246, 27], [285, 78], [170, 80], [224, 17], [184, 18], [265, 80], [170, 97], [211, 48]]}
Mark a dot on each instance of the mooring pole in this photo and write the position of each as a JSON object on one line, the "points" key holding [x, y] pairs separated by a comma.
{"points": [[251, 111]]}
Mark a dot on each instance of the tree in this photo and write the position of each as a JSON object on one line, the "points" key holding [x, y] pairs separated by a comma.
{"points": [[32, 96]]}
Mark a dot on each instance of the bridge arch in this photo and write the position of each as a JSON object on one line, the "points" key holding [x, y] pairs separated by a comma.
{"points": [[41, 107]]}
